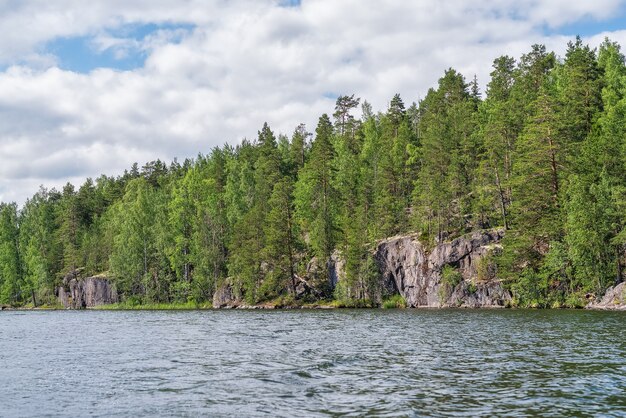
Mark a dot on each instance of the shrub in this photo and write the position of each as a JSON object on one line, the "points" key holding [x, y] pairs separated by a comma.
{"points": [[394, 302], [486, 269], [450, 278]]}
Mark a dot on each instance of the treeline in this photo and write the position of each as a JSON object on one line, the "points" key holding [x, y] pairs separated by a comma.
{"points": [[542, 154]]}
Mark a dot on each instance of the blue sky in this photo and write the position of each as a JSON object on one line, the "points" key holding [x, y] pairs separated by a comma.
{"points": [[589, 26], [82, 54], [91, 87]]}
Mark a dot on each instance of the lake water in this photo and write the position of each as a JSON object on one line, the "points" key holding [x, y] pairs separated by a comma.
{"points": [[313, 363]]}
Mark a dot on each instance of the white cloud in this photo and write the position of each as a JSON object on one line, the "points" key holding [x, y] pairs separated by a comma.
{"points": [[245, 62]]}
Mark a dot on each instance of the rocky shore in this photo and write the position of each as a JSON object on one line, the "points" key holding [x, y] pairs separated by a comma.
{"points": [[614, 299], [410, 269]]}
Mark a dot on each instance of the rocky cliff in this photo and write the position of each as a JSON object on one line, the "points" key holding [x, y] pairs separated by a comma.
{"points": [[81, 293], [411, 269], [415, 272]]}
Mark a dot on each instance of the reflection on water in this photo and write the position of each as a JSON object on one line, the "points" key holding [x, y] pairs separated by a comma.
{"points": [[313, 363]]}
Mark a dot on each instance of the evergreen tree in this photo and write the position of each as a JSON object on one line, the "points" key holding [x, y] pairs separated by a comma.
{"points": [[499, 135], [316, 197], [443, 185], [281, 242]]}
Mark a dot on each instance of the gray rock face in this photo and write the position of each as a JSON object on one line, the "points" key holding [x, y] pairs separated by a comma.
{"points": [[414, 272], [224, 297], [409, 268], [482, 295], [79, 293], [320, 279], [614, 299], [64, 297]]}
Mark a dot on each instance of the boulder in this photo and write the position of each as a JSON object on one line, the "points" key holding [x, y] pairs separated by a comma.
{"points": [[224, 297], [614, 299]]}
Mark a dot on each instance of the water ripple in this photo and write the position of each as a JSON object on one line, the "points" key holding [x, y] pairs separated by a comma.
{"points": [[313, 363]]}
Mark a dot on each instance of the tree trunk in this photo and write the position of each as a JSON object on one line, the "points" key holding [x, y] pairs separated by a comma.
{"points": [[502, 201]]}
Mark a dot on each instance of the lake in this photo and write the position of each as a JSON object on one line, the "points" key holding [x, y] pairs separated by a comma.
{"points": [[313, 363]]}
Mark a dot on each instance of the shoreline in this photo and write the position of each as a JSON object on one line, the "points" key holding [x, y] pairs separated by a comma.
{"points": [[312, 307]]}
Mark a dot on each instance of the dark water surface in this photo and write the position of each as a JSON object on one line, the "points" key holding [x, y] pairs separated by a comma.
{"points": [[313, 363]]}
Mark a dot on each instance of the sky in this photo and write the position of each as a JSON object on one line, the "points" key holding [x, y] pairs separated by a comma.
{"points": [[89, 87]]}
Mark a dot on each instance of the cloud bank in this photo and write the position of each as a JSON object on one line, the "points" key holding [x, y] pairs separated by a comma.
{"points": [[213, 71]]}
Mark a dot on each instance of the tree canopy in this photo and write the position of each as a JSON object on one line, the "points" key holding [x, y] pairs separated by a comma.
{"points": [[541, 153]]}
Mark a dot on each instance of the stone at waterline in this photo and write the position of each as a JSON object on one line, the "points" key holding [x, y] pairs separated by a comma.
{"points": [[224, 297], [614, 299]]}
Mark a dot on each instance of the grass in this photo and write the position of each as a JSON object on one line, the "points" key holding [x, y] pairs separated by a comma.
{"points": [[394, 302], [352, 303], [174, 306]]}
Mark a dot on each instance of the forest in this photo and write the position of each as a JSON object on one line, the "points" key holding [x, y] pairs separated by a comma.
{"points": [[540, 153]]}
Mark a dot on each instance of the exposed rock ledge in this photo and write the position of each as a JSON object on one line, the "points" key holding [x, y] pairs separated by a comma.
{"points": [[614, 299], [81, 293], [410, 269], [414, 271]]}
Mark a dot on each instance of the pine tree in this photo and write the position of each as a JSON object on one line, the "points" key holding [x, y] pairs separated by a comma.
{"points": [[579, 88], [281, 242], [316, 197], [446, 127], [499, 134], [248, 241], [537, 170]]}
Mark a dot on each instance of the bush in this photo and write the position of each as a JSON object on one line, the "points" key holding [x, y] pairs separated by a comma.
{"points": [[575, 300], [394, 302], [486, 269], [450, 278]]}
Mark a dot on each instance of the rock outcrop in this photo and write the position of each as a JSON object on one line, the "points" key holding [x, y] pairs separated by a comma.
{"points": [[414, 271], [320, 279], [614, 299], [224, 297], [407, 267], [481, 295], [81, 293]]}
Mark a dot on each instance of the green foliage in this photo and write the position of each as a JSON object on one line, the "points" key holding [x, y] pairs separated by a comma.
{"points": [[316, 197], [590, 223], [487, 268], [447, 122], [450, 278], [394, 302], [134, 305], [10, 275], [542, 155]]}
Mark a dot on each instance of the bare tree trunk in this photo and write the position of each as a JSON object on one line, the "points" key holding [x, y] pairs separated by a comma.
{"points": [[502, 201]]}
